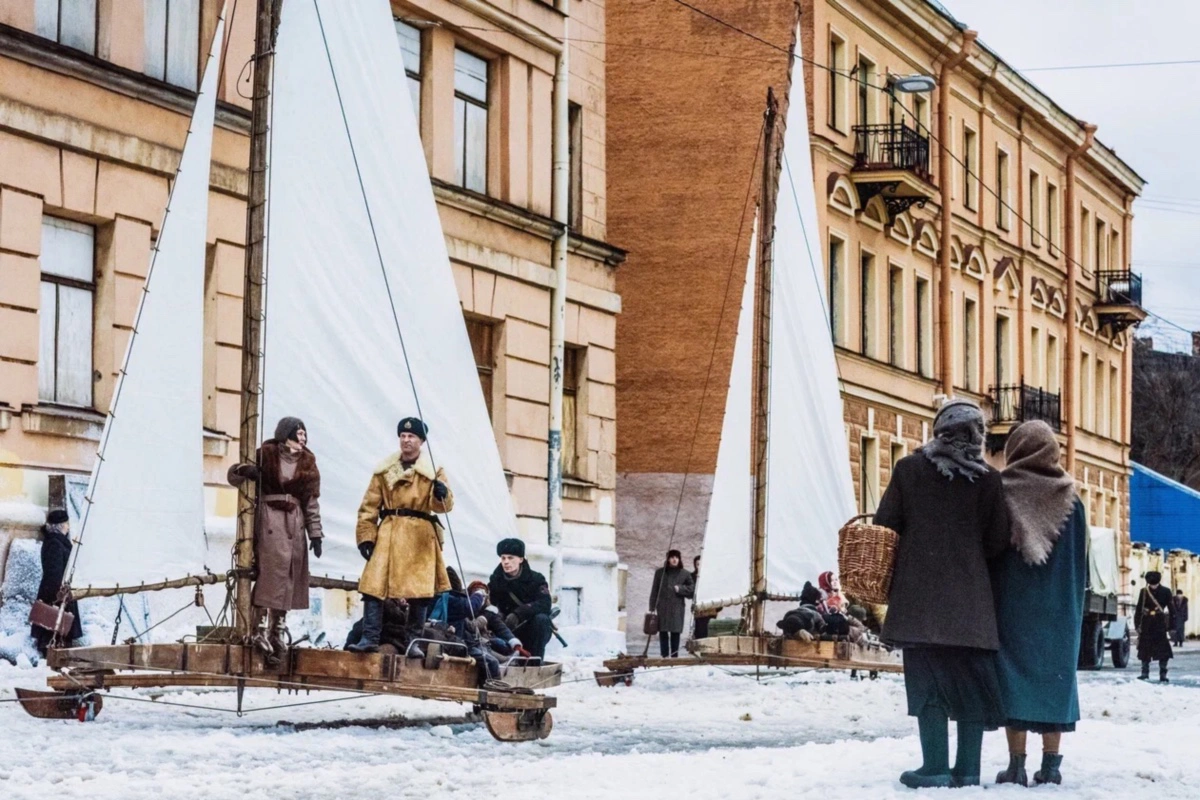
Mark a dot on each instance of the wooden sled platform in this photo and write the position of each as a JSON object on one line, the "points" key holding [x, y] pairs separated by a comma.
{"points": [[513, 714], [766, 651]]}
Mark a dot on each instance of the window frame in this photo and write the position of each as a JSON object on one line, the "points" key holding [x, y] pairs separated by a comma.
{"points": [[970, 329], [867, 301], [896, 316], [58, 25], [575, 156], [59, 281], [923, 302], [166, 75], [484, 370], [468, 102], [836, 288], [970, 167], [1053, 226], [1035, 209], [574, 376], [838, 82], [1003, 190], [410, 76], [866, 104]]}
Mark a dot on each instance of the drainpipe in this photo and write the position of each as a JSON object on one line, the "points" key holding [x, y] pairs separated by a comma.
{"points": [[1072, 251], [945, 173], [558, 310]]}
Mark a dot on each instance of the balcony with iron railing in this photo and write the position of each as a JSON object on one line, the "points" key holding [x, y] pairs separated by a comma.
{"points": [[1119, 300], [891, 161], [1014, 404]]}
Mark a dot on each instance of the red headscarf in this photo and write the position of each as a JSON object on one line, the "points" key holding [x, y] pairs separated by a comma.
{"points": [[832, 601]]}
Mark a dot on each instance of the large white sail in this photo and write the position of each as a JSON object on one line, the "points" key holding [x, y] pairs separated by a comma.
{"points": [[725, 568], [809, 490], [145, 521], [347, 277]]}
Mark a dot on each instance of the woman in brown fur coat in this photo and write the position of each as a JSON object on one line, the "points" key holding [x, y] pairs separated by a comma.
{"points": [[289, 486]]}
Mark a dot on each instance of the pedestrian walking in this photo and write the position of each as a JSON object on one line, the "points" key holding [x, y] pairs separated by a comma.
{"points": [[1179, 618], [947, 506], [55, 555], [672, 586], [1039, 585], [1152, 618]]}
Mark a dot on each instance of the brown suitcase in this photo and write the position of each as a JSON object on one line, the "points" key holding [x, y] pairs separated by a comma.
{"points": [[44, 615], [650, 624]]}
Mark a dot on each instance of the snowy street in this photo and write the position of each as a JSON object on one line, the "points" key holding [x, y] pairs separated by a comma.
{"points": [[698, 733]]}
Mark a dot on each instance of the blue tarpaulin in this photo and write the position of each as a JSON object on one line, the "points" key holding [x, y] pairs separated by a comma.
{"points": [[1163, 513]]}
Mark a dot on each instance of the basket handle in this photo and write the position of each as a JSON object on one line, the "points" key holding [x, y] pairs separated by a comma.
{"points": [[853, 520]]}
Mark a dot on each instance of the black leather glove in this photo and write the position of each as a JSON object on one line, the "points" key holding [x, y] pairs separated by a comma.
{"points": [[440, 491], [315, 546], [366, 548]]}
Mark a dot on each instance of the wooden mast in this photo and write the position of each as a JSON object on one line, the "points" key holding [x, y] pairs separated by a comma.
{"points": [[266, 25], [762, 379]]}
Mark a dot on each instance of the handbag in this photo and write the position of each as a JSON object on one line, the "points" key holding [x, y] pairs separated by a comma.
{"points": [[650, 623], [46, 616]]}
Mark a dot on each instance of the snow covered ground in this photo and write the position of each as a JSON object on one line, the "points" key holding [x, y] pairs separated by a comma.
{"points": [[695, 733]]}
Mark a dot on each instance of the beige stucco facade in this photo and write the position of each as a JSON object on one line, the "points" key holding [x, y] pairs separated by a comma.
{"points": [[87, 137]]}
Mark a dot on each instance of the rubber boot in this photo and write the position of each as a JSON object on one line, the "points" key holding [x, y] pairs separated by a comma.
{"points": [[1049, 773], [1145, 676], [414, 627], [935, 752], [1016, 771], [372, 627], [966, 760]]}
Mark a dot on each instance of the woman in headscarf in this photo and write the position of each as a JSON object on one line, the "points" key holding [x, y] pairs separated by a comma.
{"points": [[1039, 587], [672, 586], [55, 555], [948, 508], [289, 486]]}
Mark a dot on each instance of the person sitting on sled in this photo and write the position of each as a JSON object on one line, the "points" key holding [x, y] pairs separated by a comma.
{"points": [[522, 596]]}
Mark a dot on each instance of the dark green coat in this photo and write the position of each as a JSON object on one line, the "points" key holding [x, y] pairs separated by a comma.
{"points": [[1039, 615]]}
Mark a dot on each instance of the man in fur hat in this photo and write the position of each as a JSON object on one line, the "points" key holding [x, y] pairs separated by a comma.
{"points": [[522, 596], [1152, 618], [401, 537]]}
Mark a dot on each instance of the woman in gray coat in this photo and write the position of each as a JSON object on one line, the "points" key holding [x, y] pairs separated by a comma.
{"points": [[672, 586]]}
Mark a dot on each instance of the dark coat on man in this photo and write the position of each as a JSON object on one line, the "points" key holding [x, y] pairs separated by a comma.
{"points": [[56, 553], [526, 595], [1152, 618], [672, 586], [1179, 617], [941, 593]]}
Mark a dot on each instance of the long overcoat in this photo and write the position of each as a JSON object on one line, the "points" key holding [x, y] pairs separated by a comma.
{"points": [[289, 486], [407, 560], [1039, 611], [56, 554], [669, 601], [941, 592], [1152, 618]]}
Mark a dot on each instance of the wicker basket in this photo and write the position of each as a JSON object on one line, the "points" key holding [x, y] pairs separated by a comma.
{"points": [[866, 556]]}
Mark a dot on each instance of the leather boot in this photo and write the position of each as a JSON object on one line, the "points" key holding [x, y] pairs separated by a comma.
{"points": [[935, 753], [277, 629], [414, 627], [1162, 672], [970, 749], [1016, 771], [1049, 773], [260, 639], [1145, 676], [372, 627]]}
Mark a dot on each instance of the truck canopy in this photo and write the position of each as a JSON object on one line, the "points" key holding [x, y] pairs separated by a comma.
{"points": [[1104, 576]]}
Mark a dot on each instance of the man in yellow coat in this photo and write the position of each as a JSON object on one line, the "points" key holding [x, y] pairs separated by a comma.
{"points": [[399, 534]]}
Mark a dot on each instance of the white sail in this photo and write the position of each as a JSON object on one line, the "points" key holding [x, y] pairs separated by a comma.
{"points": [[335, 313], [145, 519], [809, 490], [725, 568]]}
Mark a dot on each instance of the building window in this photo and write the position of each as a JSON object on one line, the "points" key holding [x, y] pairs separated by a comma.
{"points": [[868, 474], [1035, 209], [970, 363], [171, 34], [867, 309], [1053, 365], [410, 49], [1085, 408], [1114, 403], [1003, 351], [575, 148], [1085, 237], [896, 317], [924, 318], [1114, 251], [1037, 358], [1052, 217], [470, 121], [1099, 250], [970, 168], [837, 290], [68, 22], [573, 363], [482, 334], [866, 90], [65, 317], [1003, 201], [921, 112], [837, 83], [1100, 424]]}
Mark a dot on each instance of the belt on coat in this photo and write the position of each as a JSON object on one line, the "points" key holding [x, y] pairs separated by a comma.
{"points": [[280, 502], [432, 519]]}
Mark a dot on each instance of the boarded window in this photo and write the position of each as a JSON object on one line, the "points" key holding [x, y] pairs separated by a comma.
{"points": [[68, 22], [171, 34], [470, 121], [866, 325], [924, 309], [575, 146], [837, 280], [410, 49], [483, 345], [573, 358], [65, 314], [896, 317]]}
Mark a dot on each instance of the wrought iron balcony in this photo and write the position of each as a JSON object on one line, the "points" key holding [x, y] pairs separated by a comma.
{"points": [[891, 161], [1119, 304], [1012, 405]]}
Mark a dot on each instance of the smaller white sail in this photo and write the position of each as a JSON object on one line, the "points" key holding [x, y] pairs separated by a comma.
{"points": [[145, 519], [809, 490], [725, 566]]}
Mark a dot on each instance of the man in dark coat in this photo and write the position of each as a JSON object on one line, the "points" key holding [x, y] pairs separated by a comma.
{"points": [[947, 506], [1152, 618], [522, 596], [1179, 618], [56, 552], [668, 594]]}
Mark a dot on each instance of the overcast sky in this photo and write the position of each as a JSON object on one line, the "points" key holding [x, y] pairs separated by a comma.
{"points": [[1150, 115]]}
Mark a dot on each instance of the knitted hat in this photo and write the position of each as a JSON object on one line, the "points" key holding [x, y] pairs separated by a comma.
{"points": [[413, 425], [511, 547]]}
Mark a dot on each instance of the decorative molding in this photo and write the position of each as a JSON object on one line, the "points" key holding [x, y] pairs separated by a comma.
{"points": [[925, 239], [842, 195], [71, 423], [901, 229]]}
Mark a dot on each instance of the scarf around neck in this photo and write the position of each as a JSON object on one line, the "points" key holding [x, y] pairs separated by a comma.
{"points": [[1039, 494], [957, 443]]}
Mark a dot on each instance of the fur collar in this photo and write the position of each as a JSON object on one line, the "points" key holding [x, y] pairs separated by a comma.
{"points": [[393, 471], [305, 482]]}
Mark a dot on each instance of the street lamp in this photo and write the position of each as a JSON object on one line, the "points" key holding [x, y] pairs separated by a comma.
{"points": [[911, 84]]}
